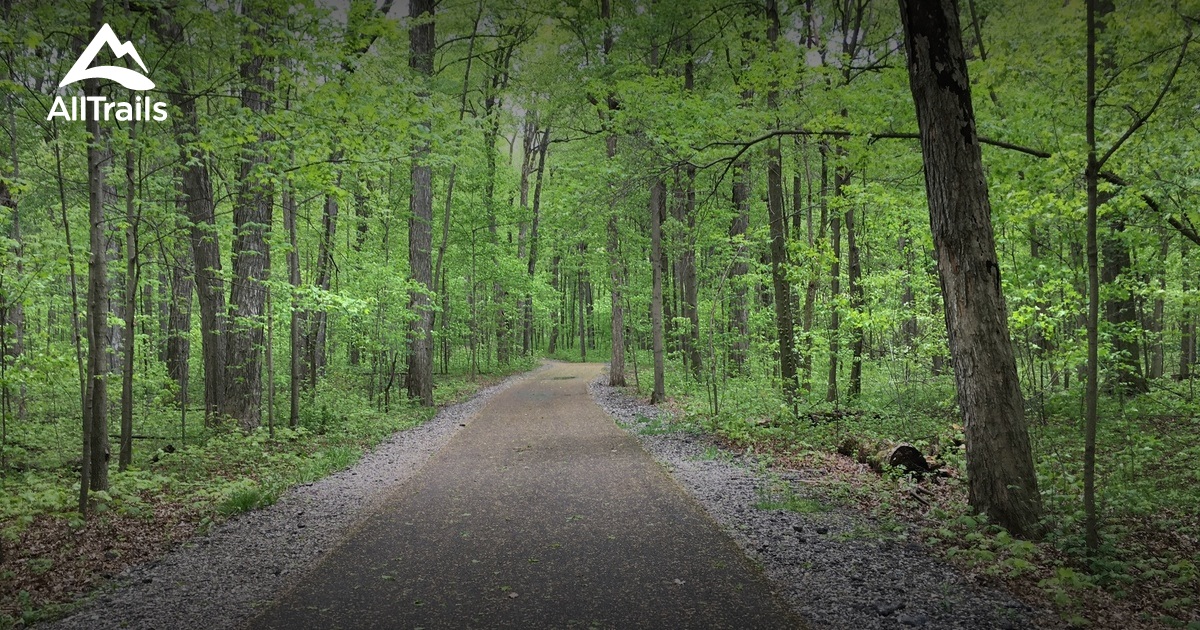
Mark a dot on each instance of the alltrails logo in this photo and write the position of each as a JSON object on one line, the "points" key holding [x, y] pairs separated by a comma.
{"points": [[99, 107]]}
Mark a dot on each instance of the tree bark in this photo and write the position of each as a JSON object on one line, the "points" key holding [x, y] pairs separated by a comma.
{"points": [[125, 454], [252, 210], [197, 199], [1001, 479], [420, 225], [179, 323], [658, 194], [784, 324], [529, 137], [1092, 389], [12, 311], [535, 235], [96, 454]]}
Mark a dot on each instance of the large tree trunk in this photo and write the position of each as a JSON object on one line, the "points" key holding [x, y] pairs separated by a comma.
{"points": [[616, 365], [1001, 479], [12, 311], [658, 193], [784, 324], [252, 211], [197, 198], [420, 226], [1092, 368], [95, 467], [616, 369], [179, 324], [528, 147]]}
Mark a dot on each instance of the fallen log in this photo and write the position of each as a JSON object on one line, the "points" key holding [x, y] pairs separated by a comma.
{"points": [[881, 455]]}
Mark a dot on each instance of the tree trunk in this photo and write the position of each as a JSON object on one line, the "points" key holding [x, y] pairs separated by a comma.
{"points": [[658, 194], [739, 318], [1092, 390], [616, 369], [12, 311], [179, 323], [1187, 325], [535, 236], [810, 293], [197, 199], [785, 327], [687, 274], [1155, 326], [318, 319], [835, 291], [528, 147], [295, 372], [95, 468], [556, 323], [420, 225], [1001, 479], [252, 209], [125, 455], [616, 366], [581, 301], [853, 278]]}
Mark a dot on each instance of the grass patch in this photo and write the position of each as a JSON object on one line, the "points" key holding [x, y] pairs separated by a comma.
{"points": [[799, 505]]}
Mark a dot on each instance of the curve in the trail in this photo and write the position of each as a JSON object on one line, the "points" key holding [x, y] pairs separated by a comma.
{"points": [[540, 513]]}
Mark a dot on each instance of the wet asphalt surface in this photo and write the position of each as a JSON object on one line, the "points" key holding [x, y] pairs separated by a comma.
{"points": [[540, 513]]}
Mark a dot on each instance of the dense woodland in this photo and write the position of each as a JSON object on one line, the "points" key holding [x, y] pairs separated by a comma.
{"points": [[352, 210]]}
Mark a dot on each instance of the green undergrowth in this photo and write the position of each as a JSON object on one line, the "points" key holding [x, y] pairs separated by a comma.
{"points": [[1148, 485], [218, 472]]}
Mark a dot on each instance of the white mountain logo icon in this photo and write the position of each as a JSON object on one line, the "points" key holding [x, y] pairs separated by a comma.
{"points": [[129, 78]]}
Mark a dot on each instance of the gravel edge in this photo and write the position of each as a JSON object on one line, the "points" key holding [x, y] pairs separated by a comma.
{"points": [[219, 579], [836, 568]]}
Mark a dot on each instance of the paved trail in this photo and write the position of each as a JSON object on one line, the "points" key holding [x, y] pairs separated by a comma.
{"points": [[541, 513]]}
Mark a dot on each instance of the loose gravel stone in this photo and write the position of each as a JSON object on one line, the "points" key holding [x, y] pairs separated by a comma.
{"points": [[219, 579], [849, 575]]}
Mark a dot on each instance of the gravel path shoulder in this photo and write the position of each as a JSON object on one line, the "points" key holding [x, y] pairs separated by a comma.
{"points": [[217, 580], [836, 567]]}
